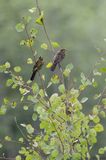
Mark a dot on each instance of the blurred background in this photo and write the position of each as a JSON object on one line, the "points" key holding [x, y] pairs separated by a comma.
{"points": [[78, 26]]}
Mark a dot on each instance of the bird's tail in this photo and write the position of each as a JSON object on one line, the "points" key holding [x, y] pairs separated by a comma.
{"points": [[53, 66], [33, 75]]}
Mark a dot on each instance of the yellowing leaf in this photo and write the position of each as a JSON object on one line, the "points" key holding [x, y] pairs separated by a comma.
{"points": [[39, 20], [43, 77], [55, 79], [29, 43], [49, 65]]}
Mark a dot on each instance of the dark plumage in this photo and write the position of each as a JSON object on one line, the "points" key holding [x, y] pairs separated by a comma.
{"points": [[58, 58], [38, 64]]}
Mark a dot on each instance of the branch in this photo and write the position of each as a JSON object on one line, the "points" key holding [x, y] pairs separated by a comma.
{"points": [[45, 30]]}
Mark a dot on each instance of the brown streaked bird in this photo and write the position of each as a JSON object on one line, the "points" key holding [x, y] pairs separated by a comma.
{"points": [[58, 58], [38, 64]]}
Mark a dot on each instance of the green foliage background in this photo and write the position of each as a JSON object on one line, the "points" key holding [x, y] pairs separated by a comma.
{"points": [[78, 26]]}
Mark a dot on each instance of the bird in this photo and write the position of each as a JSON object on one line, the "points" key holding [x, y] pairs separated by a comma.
{"points": [[37, 66], [58, 58]]}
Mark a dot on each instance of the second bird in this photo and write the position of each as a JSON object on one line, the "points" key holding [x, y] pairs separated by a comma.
{"points": [[58, 58]]}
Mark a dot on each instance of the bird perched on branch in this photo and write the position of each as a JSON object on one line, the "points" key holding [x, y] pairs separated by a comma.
{"points": [[37, 66], [58, 58]]}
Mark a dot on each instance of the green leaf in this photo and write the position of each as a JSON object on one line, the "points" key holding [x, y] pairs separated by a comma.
{"points": [[33, 32], [53, 97], [3, 110], [29, 61], [17, 69], [95, 110], [35, 88], [98, 157], [9, 82], [7, 65], [2, 68], [23, 151], [104, 101], [99, 128], [84, 99], [25, 108], [55, 79], [7, 138], [21, 139], [23, 125], [96, 72], [34, 116], [102, 114], [55, 44], [23, 91], [43, 124], [20, 27], [32, 10], [96, 96], [96, 119], [13, 104], [84, 80], [22, 42], [29, 129], [6, 101], [76, 156], [18, 157], [101, 151], [41, 93], [61, 88], [31, 157], [44, 46], [27, 19], [69, 66], [54, 153], [1, 145], [102, 70], [67, 70]]}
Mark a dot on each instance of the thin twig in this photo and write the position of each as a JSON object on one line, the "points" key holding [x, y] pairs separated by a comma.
{"points": [[58, 135], [102, 93], [45, 30], [29, 38], [11, 141], [4, 158], [20, 129]]}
